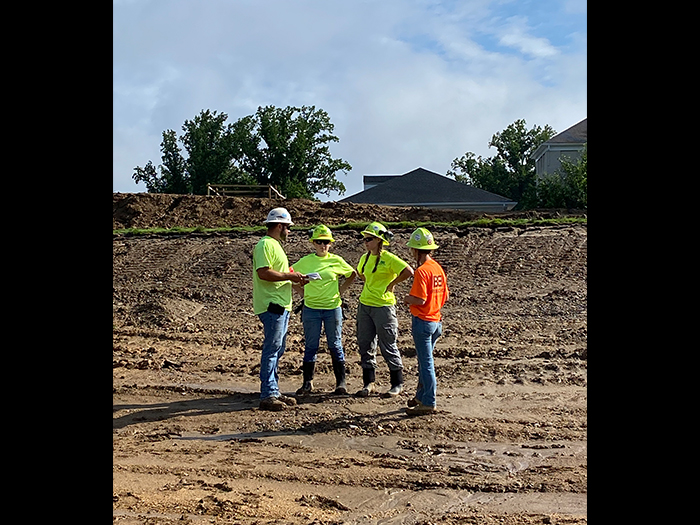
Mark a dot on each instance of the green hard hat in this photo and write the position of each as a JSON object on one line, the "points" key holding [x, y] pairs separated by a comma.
{"points": [[377, 229], [321, 232], [422, 239]]}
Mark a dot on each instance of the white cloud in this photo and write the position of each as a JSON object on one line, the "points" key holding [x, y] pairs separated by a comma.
{"points": [[536, 47], [406, 84]]}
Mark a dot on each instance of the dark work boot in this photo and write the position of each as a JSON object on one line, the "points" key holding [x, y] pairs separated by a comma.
{"points": [[368, 377], [308, 371], [396, 382], [339, 371]]}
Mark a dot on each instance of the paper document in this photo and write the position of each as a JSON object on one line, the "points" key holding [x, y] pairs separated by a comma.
{"points": [[313, 276]]}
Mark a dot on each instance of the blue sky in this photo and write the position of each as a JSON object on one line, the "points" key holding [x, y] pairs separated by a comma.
{"points": [[406, 83]]}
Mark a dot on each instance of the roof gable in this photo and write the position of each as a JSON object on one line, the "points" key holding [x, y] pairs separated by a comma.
{"points": [[578, 133], [572, 138], [420, 186]]}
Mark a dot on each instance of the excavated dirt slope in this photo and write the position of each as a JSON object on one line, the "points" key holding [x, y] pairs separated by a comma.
{"points": [[508, 443]]}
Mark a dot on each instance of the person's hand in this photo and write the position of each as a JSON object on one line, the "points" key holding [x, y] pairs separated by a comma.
{"points": [[298, 278]]}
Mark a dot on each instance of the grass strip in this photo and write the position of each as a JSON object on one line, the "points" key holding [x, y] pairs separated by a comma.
{"points": [[479, 223]]}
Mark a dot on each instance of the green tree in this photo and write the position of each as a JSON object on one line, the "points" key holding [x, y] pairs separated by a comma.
{"points": [[174, 168], [568, 186], [209, 148], [149, 176], [287, 148], [576, 174], [511, 172], [207, 142], [171, 176]]}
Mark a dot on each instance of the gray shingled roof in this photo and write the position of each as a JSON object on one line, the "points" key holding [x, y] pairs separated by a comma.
{"points": [[578, 133], [378, 179], [420, 186]]}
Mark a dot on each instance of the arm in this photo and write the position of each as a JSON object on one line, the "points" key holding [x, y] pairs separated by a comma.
{"points": [[348, 281], [357, 271], [268, 274], [412, 299], [405, 274]]}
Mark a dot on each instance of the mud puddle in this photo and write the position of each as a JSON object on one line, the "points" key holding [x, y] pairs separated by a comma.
{"points": [[409, 507]]}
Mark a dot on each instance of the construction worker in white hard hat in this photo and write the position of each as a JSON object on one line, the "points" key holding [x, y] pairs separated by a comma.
{"points": [[272, 303], [322, 306], [380, 270], [426, 298]]}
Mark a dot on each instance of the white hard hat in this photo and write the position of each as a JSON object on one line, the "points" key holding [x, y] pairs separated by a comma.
{"points": [[279, 215]]}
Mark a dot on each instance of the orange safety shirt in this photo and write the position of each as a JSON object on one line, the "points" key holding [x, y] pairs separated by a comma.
{"points": [[430, 284]]}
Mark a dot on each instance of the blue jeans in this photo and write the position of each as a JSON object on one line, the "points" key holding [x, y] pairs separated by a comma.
{"points": [[332, 321], [275, 329], [425, 335]]}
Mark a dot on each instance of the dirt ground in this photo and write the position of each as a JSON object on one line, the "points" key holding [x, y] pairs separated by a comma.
{"points": [[507, 445]]}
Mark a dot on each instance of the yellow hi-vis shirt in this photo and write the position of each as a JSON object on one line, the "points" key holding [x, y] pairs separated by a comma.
{"points": [[269, 253], [373, 291], [323, 294]]}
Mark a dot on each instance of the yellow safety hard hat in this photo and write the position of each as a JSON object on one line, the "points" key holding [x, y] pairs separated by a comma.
{"points": [[321, 232], [377, 229], [422, 239]]}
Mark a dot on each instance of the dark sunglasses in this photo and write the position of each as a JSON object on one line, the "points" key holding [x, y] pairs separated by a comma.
{"points": [[322, 241], [369, 239]]}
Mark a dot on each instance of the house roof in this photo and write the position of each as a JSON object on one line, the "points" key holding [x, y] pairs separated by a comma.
{"points": [[576, 136], [578, 133], [378, 179], [421, 187]]}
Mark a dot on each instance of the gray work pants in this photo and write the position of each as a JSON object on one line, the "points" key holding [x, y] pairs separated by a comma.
{"points": [[378, 323]]}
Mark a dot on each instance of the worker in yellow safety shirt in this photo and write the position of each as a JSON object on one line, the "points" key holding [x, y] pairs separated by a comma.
{"points": [[322, 306], [380, 270], [272, 302]]}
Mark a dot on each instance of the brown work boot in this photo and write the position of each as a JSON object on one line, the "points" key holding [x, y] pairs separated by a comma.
{"points": [[289, 401], [419, 409], [272, 403]]}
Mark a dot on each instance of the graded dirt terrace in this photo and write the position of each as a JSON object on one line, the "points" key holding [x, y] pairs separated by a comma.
{"points": [[508, 443]]}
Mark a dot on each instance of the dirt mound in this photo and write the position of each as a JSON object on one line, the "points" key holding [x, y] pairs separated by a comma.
{"points": [[150, 210]]}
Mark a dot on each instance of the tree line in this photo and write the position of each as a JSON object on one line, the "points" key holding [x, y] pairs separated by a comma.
{"points": [[285, 147], [511, 172], [289, 149]]}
